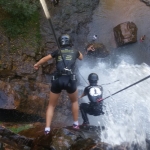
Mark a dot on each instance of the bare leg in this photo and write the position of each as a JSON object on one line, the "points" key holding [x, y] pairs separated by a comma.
{"points": [[50, 109], [75, 105]]}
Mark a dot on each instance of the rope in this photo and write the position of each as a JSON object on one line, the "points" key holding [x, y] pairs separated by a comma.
{"points": [[47, 14], [127, 87]]}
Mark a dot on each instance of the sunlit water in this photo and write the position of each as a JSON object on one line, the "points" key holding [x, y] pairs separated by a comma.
{"points": [[127, 113]]}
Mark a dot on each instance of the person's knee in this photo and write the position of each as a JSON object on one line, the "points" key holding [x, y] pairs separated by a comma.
{"points": [[51, 105], [83, 106]]}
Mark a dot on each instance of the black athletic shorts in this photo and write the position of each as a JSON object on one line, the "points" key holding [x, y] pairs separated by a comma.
{"points": [[91, 109], [64, 82]]}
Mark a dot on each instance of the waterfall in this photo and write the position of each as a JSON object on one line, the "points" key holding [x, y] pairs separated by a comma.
{"points": [[126, 117]]}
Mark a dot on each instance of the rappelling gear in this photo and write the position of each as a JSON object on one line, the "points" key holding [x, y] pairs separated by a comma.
{"points": [[65, 40], [65, 72], [126, 87], [93, 77], [73, 77]]}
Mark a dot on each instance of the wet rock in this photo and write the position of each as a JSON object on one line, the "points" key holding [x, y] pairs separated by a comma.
{"points": [[64, 138], [92, 57], [67, 138], [8, 98], [27, 97], [147, 2], [16, 141], [33, 97], [30, 101], [100, 51], [125, 33], [148, 143]]}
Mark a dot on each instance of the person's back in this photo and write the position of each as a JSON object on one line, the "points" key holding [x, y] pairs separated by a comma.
{"points": [[66, 58], [94, 93]]}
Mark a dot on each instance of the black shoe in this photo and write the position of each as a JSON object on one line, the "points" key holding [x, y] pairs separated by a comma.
{"points": [[85, 124]]}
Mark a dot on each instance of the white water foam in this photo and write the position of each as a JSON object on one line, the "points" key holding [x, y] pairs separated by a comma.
{"points": [[127, 113]]}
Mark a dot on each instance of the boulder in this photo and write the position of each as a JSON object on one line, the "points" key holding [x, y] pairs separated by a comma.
{"points": [[14, 96], [8, 98], [125, 33], [92, 57], [100, 51], [15, 140]]}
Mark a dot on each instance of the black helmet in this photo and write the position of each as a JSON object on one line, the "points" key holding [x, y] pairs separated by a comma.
{"points": [[65, 40], [93, 77]]}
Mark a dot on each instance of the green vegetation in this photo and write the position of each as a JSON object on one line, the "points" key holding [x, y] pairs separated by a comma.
{"points": [[20, 22], [20, 16], [16, 128], [19, 128]]}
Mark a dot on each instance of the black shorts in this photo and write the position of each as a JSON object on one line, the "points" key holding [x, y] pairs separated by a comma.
{"points": [[64, 82], [92, 110]]}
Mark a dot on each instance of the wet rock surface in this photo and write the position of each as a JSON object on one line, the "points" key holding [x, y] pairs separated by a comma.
{"points": [[64, 138], [100, 51], [125, 33], [14, 140], [147, 2], [91, 58]]}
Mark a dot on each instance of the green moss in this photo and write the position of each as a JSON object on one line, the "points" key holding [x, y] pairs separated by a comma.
{"points": [[21, 23], [20, 128]]}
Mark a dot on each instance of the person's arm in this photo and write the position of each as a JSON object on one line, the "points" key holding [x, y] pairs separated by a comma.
{"points": [[84, 93], [81, 95], [80, 56], [90, 47], [42, 60], [102, 91]]}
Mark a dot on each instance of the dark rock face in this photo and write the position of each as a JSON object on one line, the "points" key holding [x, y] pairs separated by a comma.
{"points": [[125, 33]]}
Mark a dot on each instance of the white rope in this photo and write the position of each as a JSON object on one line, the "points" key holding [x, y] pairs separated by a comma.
{"points": [[43, 3]]}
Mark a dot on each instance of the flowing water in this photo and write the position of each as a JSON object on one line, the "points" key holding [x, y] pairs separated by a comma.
{"points": [[127, 113]]}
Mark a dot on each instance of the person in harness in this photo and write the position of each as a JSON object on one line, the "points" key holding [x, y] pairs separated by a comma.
{"points": [[63, 79], [94, 93]]}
